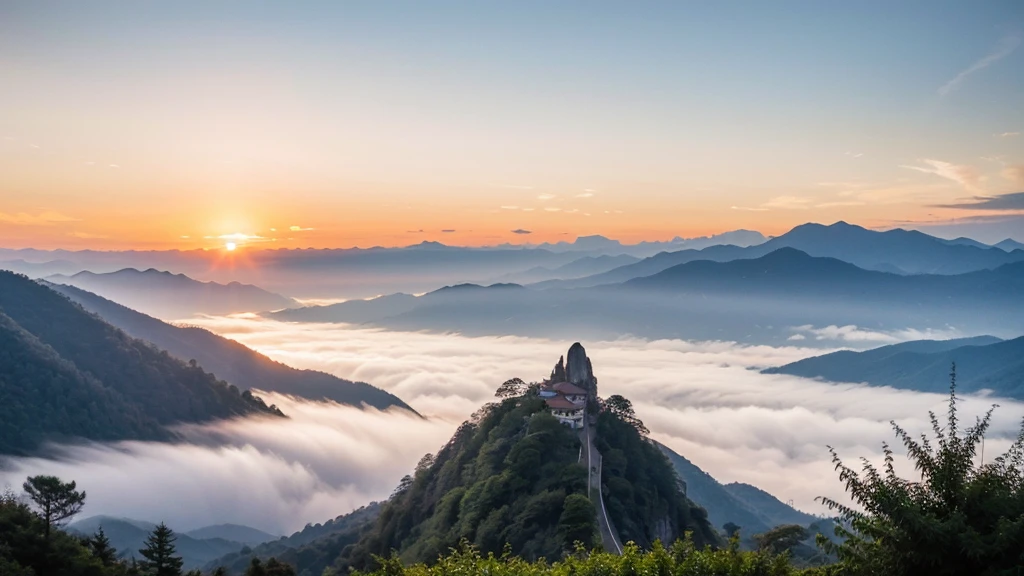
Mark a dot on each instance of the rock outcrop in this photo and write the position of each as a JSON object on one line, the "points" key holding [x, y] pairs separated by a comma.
{"points": [[579, 371]]}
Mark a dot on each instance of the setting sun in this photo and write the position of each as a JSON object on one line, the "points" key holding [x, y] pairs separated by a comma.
{"points": [[230, 246]]}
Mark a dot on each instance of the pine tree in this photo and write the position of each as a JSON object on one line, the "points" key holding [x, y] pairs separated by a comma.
{"points": [[159, 553], [102, 549], [57, 500]]}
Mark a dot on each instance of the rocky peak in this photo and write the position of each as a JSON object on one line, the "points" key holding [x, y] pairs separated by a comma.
{"points": [[578, 369], [558, 373]]}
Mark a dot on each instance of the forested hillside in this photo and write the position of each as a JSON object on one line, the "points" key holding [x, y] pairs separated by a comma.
{"points": [[65, 373], [510, 475], [231, 360]]}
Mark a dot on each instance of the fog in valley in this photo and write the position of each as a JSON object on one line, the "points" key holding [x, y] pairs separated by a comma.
{"points": [[705, 400]]}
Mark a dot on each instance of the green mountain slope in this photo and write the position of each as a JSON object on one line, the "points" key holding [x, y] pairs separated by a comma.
{"points": [[231, 360], [65, 373]]}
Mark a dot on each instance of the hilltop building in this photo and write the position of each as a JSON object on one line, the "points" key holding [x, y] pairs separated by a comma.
{"points": [[566, 401]]}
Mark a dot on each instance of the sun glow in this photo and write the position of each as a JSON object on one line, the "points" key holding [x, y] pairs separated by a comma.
{"points": [[230, 246]]}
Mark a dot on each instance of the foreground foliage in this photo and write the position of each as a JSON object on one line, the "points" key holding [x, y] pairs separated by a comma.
{"points": [[959, 518], [681, 559]]}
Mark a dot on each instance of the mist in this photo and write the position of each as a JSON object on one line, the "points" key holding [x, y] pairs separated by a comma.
{"points": [[705, 400]]}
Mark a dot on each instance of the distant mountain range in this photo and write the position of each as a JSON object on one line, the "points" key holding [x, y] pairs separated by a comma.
{"points": [[196, 547], [66, 374], [231, 360], [897, 251], [1010, 245], [752, 300], [172, 296], [982, 363]]}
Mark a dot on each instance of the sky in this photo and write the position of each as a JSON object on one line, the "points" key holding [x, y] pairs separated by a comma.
{"points": [[332, 124]]}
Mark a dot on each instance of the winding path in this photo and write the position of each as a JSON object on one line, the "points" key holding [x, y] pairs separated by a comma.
{"points": [[592, 459]]}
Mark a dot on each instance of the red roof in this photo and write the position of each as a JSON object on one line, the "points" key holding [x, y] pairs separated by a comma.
{"points": [[561, 403], [569, 389]]}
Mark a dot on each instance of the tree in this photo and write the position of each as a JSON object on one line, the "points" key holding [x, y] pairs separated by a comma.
{"points": [[159, 553], [511, 388], [101, 548], [781, 538], [57, 501], [956, 518], [577, 522], [623, 409], [731, 529]]}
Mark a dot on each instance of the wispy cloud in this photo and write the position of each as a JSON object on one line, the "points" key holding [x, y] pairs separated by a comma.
{"points": [[300, 229], [1007, 134], [521, 231], [546, 197], [87, 235], [839, 204], [853, 154], [237, 237], [789, 203], [966, 176], [448, 231], [1005, 47], [46, 218], [746, 209], [510, 207], [853, 333], [1012, 202], [552, 209], [1014, 174], [585, 195], [517, 187]]}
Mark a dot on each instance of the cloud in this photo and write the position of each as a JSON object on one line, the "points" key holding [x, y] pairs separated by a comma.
{"points": [[746, 209], [701, 398], [545, 197], [1005, 47], [1013, 201], [839, 204], [521, 231], [238, 237], [855, 334], [527, 209], [585, 195], [113, 166], [299, 229], [87, 235], [275, 475], [1014, 174], [853, 154], [796, 338], [552, 209], [510, 207], [1007, 134], [788, 203], [966, 176], [705, 400], [514, 187], [47, 218], [448, 231]]}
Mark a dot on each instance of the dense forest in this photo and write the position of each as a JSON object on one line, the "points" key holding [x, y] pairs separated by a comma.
{"points": [[231, 360], [506, 477], [65, 373], [645, 498]]}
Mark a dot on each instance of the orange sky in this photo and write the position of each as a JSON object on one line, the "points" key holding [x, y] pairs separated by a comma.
{"points": [[170, 127]]}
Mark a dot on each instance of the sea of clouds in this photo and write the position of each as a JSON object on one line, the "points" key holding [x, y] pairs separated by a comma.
{"points": [[705, 400]]}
